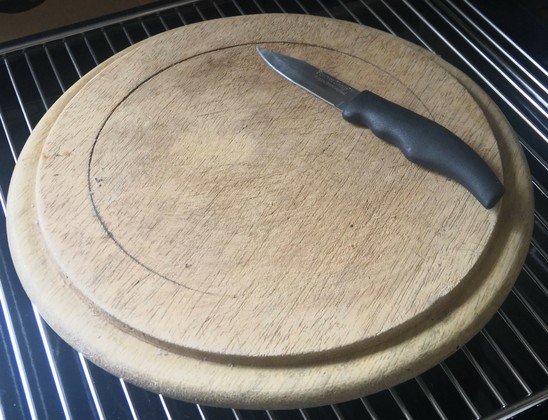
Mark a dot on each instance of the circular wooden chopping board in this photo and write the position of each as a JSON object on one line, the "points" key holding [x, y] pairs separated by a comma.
{"points": [[193, 222]]}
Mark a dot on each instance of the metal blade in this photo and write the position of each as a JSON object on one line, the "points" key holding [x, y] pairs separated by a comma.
{"points": [[311, 79]]}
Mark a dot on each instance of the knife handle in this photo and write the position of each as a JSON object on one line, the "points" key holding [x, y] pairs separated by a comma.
{"points": [[426, 143]]}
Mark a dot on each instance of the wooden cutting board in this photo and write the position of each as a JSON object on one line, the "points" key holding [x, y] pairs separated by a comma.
{"points": [[194, 223]]}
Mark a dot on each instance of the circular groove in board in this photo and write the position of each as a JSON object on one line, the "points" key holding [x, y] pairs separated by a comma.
{"points": [[281, 238], [307, 344]]}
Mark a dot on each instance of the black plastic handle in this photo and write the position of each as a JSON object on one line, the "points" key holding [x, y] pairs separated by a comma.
{"points": [[426, 143]]}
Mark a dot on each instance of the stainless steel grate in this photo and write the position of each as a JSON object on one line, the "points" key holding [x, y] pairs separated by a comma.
{"points": [[502, 372]]}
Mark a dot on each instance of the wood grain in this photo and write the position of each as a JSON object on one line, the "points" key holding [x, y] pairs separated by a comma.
{"points": [[276, 225], [248, 245]]}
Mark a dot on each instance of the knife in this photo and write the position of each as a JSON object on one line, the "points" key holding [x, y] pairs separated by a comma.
{"points": [[420, 139]]}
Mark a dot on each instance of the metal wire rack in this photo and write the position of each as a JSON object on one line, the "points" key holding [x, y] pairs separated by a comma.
{"points": [[502, 372]]}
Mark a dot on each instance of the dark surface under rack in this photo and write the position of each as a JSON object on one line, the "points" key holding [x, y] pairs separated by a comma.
{"points": [[502, 372]]}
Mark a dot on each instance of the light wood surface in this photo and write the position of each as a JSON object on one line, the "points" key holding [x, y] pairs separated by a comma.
{"points": [[205, 229]]}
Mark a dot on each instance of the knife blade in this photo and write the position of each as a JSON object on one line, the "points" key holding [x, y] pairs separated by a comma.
{"points": [[421, 140]]}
